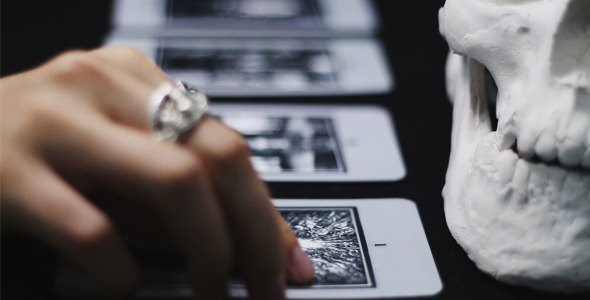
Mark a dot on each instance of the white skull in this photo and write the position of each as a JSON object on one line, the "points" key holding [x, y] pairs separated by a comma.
{"points": [[517, 199]]}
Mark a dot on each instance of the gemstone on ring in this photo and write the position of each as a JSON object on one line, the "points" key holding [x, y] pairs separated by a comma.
{"points": [[175, 108]]}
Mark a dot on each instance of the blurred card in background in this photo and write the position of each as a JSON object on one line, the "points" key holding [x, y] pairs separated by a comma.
{"points": [[314, 143], [241, 18], [272, 67]]}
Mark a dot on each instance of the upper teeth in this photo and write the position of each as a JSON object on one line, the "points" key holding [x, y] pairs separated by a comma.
{"points": [[552, 130]]}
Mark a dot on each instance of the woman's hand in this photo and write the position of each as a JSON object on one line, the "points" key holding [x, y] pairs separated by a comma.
{"points": [[79, 123]]}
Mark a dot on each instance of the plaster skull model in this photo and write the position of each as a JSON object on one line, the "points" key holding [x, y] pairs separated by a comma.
{"points": [[517, 198]]}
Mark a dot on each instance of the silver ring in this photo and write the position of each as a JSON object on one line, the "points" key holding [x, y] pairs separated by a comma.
{"points": [[175, 108]]}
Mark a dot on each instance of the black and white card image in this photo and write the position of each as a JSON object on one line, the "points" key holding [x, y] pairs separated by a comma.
{"points": [[317, 142], [360, 249], [334, 241], [272, 67], [244, 18], [290, 144]]}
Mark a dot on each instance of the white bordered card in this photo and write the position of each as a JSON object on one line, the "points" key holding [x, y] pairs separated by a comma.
{"points": [[245, 67], [317, 143], [252, 18], [360, 249]]}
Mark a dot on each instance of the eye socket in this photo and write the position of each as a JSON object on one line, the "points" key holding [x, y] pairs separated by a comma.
{"points": [[491, 92]]}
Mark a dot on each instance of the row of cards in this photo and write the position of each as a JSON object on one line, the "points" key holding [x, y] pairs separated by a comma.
{"points": [[360, 248], [246, 48]]}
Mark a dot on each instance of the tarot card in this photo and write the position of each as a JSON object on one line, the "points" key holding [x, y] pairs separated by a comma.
{"points": [[360, 249], [317, 142], [272, 67], [244, 18]]}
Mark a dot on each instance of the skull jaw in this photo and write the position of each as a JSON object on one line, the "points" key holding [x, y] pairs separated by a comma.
{"points": [[523, 223]]}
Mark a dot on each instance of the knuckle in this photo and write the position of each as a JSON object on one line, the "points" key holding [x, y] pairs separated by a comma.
{"points": [[43, 114], [90, 232], [181, 173], [127, 53], [230, 149], [74, 65]]}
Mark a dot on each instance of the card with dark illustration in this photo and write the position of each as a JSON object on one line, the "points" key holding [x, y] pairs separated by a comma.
{"points": [[316, 142], [333, 240], [290, 143]]}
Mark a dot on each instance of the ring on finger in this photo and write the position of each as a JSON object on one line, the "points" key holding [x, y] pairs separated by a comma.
{"points": [[175, 109]]}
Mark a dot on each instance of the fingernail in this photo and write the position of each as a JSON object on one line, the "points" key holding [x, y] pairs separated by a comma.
{"points": [[299, 268], [276, 290]]}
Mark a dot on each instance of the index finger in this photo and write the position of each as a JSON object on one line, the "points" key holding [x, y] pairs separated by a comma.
{"points": [[267, 246], [132, 60]]}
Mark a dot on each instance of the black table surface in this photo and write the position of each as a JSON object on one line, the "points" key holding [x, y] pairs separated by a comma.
{"points": [[34, 31]]}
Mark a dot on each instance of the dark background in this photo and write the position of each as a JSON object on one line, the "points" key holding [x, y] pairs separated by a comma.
{"points": [[34, 31]]}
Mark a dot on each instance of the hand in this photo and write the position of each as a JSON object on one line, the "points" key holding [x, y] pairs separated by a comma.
{"points": [[79, 123]]}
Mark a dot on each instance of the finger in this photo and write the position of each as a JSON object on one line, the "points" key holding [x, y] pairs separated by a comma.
{"points": [[51, 211], [115, 91], [135, 220], [196, 224], [261, 235], [166, 178], [131, 60], [299, 268]]}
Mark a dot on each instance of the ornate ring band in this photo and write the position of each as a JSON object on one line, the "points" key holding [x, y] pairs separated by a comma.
{"points": [[174, 109]]}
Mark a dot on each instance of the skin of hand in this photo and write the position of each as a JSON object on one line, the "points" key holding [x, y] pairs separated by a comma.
{"points": [[78, 123]]}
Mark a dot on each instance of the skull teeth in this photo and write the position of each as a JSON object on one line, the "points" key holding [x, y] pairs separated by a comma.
{"points": [[561, 138]]}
